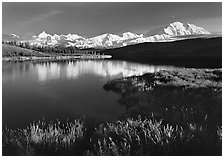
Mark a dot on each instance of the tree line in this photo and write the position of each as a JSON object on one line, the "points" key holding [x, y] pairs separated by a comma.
{"points": [[48, 49]]}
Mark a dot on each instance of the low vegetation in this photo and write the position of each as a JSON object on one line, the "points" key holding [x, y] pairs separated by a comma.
{"points": [[179, 97], [18, 49], [140, 136], [151, 137], [13, 51], [43, 139], [183, 78]]}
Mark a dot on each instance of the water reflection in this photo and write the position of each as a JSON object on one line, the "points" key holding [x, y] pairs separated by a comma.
{"points": [[65, 89], [47, 71]]}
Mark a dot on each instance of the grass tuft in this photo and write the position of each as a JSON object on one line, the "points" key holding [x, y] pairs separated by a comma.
{"points": [[43, 139]]}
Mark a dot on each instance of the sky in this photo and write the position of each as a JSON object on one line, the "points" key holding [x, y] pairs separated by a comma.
{"points": [[94, 18]]}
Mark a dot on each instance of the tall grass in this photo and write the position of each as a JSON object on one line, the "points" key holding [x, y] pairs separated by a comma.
{"points": [[43, 139], [152, 137], [140, 136]]}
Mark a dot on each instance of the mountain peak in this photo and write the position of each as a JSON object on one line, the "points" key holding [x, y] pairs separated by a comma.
{"points": [[43, 35], [43, 32], [72, 37], [177, 23], [129, 35], [177, 29], [181, 29]]}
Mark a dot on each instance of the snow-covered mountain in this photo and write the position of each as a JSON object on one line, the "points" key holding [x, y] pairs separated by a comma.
{"points": [[105, 40], [174, 31], [178, 29]]}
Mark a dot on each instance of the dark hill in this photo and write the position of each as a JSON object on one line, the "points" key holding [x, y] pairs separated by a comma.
{"points": [[199, 52], [9, 50]]}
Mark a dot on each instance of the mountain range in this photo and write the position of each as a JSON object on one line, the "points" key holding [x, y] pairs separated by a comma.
{"points": [[172, 32]]}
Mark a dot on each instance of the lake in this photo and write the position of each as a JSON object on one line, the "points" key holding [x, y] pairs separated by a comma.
{"points": [[64, 90]]}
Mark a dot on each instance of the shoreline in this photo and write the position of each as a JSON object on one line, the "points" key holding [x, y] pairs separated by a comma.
{"points": [[32, 58], [179, 77]]}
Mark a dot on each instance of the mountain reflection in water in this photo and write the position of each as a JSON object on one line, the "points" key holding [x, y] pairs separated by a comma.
{"points": [[64, 89], [47, 71]]}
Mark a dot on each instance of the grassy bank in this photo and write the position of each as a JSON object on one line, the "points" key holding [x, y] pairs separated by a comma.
{"points": [[179, 97], [141, 136]]}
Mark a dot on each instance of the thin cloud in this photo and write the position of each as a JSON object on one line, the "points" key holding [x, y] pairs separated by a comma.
{"points": [[42, 16]]}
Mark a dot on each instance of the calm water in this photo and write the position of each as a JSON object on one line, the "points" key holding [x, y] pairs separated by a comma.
{"points": [[35, 91]]}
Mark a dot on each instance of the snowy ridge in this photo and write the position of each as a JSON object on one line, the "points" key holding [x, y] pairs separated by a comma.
{"points": [[178, 29], [108, 40]]}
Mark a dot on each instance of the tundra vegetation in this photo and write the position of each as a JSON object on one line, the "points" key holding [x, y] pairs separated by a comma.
{"points": [[176, 112]]}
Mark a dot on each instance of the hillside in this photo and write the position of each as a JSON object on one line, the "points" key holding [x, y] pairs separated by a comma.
{"points": [[200, 52], [9, 50]]}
